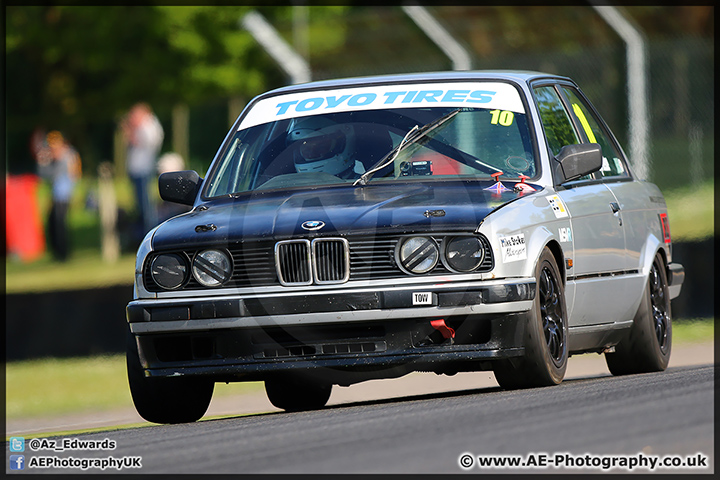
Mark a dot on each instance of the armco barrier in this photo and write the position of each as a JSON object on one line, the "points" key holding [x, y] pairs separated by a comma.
{"points": [[697, 298], [91, 322], [66, 323]]}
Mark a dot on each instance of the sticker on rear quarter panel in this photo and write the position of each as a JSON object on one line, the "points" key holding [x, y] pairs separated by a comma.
{"points": [[513, 248]]}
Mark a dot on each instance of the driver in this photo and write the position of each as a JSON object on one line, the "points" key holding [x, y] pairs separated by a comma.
{"points": [[321, 145]]}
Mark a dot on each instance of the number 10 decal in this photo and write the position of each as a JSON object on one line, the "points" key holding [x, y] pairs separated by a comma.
{"points": [[502, 117]]}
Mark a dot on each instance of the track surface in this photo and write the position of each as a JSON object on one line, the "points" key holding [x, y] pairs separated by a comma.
{"points": [[668, 413]]}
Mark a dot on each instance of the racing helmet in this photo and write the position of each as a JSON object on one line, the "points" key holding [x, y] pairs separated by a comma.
{"points": [[321, 145]]}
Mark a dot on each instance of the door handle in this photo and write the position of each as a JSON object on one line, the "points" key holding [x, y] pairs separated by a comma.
{"points": [[616, 209]]}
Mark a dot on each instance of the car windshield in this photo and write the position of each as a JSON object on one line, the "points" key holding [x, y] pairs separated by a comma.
{"points": [[471, 136]]}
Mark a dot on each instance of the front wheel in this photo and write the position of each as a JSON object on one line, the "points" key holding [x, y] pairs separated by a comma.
{"points": [[546, 333], [166, 400], [648, 344], [295, 393]]}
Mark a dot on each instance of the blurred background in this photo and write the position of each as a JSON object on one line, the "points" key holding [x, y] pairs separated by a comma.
{"points": [[78, 70]]}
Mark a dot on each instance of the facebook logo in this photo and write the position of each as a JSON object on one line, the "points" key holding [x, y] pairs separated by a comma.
{"points": [[17, 444], [17, 462]]}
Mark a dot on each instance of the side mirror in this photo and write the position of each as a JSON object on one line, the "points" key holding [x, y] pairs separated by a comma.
{"points": [[179, 187], [579, 160]]}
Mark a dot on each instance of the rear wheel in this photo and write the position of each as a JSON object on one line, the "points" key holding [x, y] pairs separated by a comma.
{"points": [[546, 333], [296, 393], [166, 400], [648, 344]]}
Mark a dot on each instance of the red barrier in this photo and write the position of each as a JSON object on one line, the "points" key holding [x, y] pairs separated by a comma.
{"points": [[24, 233]]}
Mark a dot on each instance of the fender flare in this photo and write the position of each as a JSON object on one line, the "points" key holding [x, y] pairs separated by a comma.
{"points": [[652, 246], [541, 238]]}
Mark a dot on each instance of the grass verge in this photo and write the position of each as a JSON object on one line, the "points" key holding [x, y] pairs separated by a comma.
{"points": [[85, 269], [59, 386], [691, 212], [49, 387]]}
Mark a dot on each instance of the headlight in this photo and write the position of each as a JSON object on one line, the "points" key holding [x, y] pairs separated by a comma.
{"points": [[418, 254], [464, 254], [169, 270], [212, 268]]}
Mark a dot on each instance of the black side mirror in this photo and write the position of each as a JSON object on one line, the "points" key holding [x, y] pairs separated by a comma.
{"points": [[179, 187], [579, 160]]}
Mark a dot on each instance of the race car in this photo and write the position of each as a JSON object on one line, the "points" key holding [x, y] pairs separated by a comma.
{"points": [[370, 227]]}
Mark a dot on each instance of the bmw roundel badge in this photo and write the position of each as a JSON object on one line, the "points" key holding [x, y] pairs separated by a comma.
{"points": [[313, 225]]}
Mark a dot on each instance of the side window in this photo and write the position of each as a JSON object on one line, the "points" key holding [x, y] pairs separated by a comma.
{"points": [[558, 128], [613, 165]]}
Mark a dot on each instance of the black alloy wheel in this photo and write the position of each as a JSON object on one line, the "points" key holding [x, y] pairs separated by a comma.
{"points": [[545, 334], [551, 312], [658, 302], [648, 343]]}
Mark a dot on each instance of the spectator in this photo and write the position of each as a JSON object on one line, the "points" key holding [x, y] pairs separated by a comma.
{"points": [[59, 163], [144, 136]]}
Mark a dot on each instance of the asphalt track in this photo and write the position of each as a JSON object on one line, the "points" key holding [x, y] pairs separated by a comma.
{"points": [[668, 413]]}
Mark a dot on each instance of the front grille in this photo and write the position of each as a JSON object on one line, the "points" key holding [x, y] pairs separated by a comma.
{"points": [[323, 261], [331, 260], [293, 262]]}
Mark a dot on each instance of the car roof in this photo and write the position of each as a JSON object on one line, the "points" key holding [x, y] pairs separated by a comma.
{"points": [[516, 76]]}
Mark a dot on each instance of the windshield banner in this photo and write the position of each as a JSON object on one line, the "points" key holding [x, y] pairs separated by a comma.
{"points": [[490, 95]]}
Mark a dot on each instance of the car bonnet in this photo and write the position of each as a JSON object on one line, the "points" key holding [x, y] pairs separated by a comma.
{"points": [[343, 211]]}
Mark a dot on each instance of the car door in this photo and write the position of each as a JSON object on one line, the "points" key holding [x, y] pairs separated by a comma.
{"points": [[596, 243], [637, 202]]}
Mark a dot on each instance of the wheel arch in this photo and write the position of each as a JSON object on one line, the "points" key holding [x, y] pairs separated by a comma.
{"points": [[652, 246], [557, 252], [540, 239]]}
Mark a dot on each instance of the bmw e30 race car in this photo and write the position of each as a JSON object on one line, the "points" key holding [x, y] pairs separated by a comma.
{"points": [[366, 228]]}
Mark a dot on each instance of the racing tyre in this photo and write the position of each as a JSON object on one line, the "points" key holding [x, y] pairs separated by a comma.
{"points": [[296, 394], [166, 400], [546, 333], [648, 344]]}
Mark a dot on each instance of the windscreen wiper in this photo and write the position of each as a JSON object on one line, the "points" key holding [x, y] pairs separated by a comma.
{"points": [[412, 136]]}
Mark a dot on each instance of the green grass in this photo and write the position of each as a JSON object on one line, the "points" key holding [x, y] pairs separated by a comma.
{"points": [[85, 269], [49, 387], [690, 331], [691, 212], [60, 386]]}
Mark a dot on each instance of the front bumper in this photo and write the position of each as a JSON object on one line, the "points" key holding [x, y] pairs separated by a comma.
{"points": [[346, 334]]}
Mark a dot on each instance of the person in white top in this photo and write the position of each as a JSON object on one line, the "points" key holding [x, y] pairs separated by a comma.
{"points": [[144, 135]]}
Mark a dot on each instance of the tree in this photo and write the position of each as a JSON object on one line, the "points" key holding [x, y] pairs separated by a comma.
{"points": [[78, 68]]}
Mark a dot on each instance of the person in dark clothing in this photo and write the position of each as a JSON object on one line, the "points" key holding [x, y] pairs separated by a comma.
{"points": [[59, 163]]}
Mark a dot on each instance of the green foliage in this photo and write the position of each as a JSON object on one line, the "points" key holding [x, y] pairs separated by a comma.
{"points": [[75, 68]]}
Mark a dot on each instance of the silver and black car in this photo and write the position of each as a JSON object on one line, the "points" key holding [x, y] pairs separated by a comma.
{"points": [[367, 228]]}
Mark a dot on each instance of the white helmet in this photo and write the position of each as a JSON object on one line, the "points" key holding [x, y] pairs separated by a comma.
{"points": [[321, 145]]}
